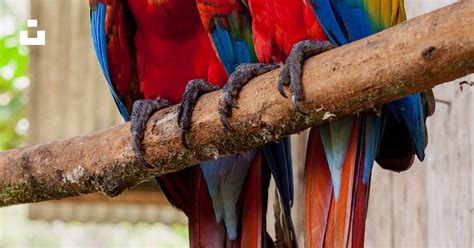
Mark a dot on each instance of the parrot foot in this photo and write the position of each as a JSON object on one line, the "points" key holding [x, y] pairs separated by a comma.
{"points": [[194, 89], [292, 72], [241, 76], [141, 113]]}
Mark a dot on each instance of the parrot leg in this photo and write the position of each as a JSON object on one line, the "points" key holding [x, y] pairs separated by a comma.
{"points": [[141, 112], [293, 69], [241, 76], [194, 89]]}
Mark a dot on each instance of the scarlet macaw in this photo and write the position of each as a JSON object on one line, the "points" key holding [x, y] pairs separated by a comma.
{"points": [[229, 26], [148, 51], [341, 153]]}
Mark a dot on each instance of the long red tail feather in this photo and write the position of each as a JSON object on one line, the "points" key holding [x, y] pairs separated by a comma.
{"points": [[359, 208], [317, 191], [204, 231], [253, 209]]}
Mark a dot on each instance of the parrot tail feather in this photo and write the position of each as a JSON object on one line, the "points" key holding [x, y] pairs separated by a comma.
{"points": [[202, 220], [337, 232], [254, 205], [331, 221], [187, 190], [318, 192], [360, 200]]}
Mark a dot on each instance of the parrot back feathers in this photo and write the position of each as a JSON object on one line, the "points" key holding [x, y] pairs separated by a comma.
{"points": [[318, 192]]}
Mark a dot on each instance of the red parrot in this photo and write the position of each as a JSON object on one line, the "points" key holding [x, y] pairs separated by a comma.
{"points": [[148, 52], [341, 153], [230, 30]]}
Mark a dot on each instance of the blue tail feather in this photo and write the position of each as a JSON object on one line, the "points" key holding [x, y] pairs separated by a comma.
{"points": [[409, 110], [335, 138], [277, 156], [225, 178], [210, 171], [372, 127]]}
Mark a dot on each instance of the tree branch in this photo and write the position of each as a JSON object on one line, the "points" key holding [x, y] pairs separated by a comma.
{"points": [[411, 57]]}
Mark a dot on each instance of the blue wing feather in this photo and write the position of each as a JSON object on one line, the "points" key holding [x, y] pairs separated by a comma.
{"points": [[100, 46], [344, 21], [232, 52]]}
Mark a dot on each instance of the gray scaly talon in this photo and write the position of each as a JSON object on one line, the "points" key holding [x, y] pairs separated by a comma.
{"points": [[292, 72], [141, 112], [194, 89], [297, 105], [238, 79]]}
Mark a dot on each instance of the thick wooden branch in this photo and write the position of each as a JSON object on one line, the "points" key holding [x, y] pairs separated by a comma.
{"points": [[411, 57]]}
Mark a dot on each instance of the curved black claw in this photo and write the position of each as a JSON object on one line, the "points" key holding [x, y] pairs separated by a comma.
{"points": [[293, 70], [141, 112], [241, 76], [194, 89]]}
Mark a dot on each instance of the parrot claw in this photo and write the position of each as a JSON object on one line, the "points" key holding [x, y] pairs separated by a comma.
{"points": [[183, 139], [283, 80], [141, 113], [226, 124], [238, 79], [229, 100], [297, 105], [194, 89], [292, 72]]}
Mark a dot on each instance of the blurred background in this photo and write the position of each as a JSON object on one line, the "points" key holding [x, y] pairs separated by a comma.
{"points": [[57, 91]]}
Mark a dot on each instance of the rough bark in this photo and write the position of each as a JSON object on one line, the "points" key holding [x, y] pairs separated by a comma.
{"points": [[411, 57]]}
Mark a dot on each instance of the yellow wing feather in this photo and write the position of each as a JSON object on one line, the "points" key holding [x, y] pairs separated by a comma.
{"points": [[385, 13]]}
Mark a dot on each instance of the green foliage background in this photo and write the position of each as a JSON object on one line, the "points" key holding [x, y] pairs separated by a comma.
{"points": [[12, 100], [13, 71]]}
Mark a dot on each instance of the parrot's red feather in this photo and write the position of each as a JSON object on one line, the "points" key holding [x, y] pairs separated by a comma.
{"points": [[209, 9], [252, 200], [155, 47], [360, 205], [204, 231], [317, 192], [120, 31], [188, 191], [359, 214], [273, 39], [177, 192]]}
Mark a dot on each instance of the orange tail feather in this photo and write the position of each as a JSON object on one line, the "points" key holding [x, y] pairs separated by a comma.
{"points": [[337, 232]]}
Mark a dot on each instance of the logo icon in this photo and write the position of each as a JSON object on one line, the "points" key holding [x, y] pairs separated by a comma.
{"points": [[39, 40]]}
